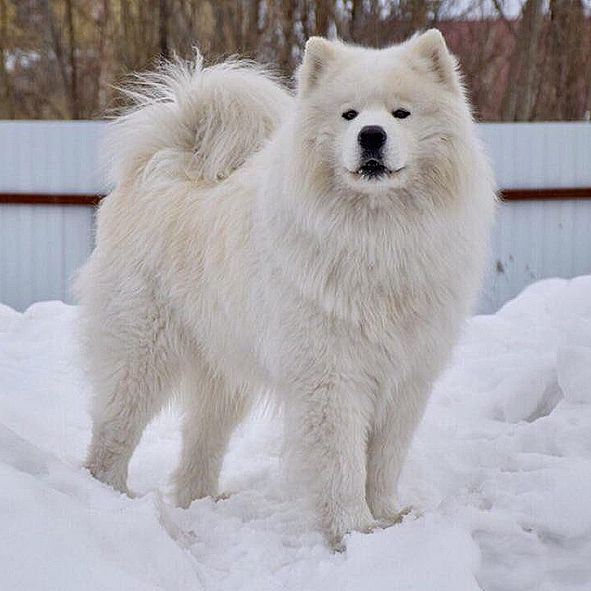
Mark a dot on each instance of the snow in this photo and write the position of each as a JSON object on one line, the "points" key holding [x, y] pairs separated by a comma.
{"points": [[499, 476]]}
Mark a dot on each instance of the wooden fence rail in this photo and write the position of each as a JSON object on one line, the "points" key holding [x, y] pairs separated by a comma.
{"points": [[93, 200]]}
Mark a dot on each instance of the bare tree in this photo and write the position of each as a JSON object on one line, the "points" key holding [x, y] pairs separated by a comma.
{"points": [[60, 58], [163, 28], [8, 109], [519, 92]]}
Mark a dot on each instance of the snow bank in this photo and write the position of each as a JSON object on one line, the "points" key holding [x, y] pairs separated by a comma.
{"points": [[500, 473]]}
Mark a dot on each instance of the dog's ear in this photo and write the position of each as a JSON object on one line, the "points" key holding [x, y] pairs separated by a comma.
{"points": [[318, 54], [430, 48]]}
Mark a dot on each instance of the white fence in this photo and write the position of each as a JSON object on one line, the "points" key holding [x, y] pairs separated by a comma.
{"points": [[42, 245], [538, 239]]}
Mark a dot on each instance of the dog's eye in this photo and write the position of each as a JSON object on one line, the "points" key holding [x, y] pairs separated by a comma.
{"points": [[350, 114], [401, 113]]}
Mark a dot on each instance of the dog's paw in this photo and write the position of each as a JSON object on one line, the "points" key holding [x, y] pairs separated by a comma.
{"points": [[338, 522], [223, 496], [387, 515], [382, 506], [184, 496], [116, 479]]}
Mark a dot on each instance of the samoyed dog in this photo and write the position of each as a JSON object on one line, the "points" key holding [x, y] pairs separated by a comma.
{"points": [[323, 247]]}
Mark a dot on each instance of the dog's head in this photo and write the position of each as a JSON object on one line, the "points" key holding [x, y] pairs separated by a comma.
{"points": [[379, 118]]}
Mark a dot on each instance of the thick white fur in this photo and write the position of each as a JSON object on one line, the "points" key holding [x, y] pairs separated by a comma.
{"points": [[238, 254]]}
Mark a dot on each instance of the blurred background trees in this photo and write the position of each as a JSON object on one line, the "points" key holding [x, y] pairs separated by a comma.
{"points": [[59, 59]]}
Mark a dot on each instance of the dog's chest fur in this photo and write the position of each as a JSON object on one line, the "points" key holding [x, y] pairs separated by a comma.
{"points": [[379, 294]]}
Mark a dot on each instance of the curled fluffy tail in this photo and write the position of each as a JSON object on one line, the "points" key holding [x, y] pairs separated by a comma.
{"points": [[194, 122]]}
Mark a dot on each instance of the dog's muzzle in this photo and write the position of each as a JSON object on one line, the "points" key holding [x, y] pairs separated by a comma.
{"points": [[372, 139], [373, 168]]}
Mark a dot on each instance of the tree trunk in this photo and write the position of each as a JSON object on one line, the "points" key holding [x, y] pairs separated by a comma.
{"points": [[322, 15], [163, 29], [7, 99], [533, 20], [73, 62]]}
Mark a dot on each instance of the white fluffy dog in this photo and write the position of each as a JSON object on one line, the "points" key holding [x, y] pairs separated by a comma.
{"points": [[323, 247]]}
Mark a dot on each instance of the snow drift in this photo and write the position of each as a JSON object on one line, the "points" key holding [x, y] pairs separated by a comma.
{"points": [[499, 474]]}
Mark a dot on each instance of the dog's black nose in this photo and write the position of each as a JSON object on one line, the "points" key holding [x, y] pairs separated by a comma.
{"points": [[372, 137]]}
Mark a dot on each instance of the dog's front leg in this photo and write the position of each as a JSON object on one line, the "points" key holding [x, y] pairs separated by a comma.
{"points": [[330, 440], [390, 438]]}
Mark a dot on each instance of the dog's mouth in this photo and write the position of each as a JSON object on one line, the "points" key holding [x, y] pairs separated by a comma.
{"points": [[374, 169]]}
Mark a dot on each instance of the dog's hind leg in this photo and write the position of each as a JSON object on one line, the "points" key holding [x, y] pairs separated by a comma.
{"points": [[133, 366], [212, 410]]}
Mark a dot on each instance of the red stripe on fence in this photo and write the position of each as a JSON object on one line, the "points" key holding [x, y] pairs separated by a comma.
{"points": [[93, 200]]}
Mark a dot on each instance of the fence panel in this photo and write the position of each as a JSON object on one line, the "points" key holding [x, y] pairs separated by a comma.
{"points": [[42, 245]]}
